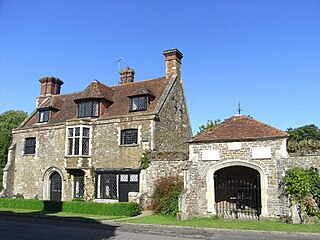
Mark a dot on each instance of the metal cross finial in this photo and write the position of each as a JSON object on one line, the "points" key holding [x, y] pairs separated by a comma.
{"points": [[239, 110]]}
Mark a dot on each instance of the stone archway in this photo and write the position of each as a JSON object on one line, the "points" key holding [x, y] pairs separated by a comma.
{"points": [[231, 168], [52, 173], [237, 192]]}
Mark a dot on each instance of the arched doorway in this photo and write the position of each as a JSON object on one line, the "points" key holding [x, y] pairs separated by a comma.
{"points": [[237, 192], [55, 187]]}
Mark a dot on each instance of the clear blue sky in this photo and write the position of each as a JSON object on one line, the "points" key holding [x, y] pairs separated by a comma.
{"points": [[263, 53]]}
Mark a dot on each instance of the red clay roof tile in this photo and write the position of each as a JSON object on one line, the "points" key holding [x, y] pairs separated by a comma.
{"points": [[118, 95], [239, 128]]}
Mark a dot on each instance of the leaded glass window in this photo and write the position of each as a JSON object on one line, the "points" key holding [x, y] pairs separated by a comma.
{"points": [[107, 187], [90, 108], [139, 103], [30, 145], [78, 184], [78, 141], [129, 136]]}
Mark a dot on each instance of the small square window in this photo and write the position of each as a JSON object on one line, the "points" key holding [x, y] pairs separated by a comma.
{"points": [[134, 177], [129, 136], [139, 103], [30, 146], [90, 108], [44, 116]]}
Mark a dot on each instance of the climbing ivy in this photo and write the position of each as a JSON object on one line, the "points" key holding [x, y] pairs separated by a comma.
{"points": [[144, 161]]}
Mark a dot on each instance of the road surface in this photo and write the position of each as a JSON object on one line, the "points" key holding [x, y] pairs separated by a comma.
{"points": [[16, 227]]}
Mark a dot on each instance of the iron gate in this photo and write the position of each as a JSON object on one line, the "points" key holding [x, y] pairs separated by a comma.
{"points": [[237, 198]]}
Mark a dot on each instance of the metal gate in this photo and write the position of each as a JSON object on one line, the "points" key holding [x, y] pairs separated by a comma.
{"points": [[55, 187], [238, 198]]}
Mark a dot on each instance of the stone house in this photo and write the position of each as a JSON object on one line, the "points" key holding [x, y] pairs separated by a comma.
{"points": [[234, 170], [89, 144]]}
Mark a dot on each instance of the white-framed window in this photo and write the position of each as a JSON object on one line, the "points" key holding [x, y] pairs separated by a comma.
{"points": [[129, 136], [78, 141], [44, 116]]}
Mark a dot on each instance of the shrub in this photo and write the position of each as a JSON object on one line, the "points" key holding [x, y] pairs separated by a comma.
{"points": [[21, 203], [110, 209], [107, 209], [303, 187], [165, 195]]}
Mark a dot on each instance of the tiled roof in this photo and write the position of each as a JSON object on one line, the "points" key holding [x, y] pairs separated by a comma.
{"points": [[97, 89], [239, 128], [118, 95], [141, 91], [54, 102]]}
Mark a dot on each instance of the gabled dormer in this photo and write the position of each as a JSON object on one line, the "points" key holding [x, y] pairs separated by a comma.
{"points": [[140, 99], [48, 109], [94, 100]]}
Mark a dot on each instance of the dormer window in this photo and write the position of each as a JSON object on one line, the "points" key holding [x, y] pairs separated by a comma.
{"points": [[44, 115], [139, 103], [89, 108]]}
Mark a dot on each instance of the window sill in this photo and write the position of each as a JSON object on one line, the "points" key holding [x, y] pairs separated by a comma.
{"points": [[130, 145], [29, 154], [77, 156], [138, 110]]}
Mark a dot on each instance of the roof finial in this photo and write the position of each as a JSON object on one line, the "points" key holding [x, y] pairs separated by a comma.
{"points": [[239, 110]]}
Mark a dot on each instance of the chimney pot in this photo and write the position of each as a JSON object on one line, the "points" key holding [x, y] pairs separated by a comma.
{"points": [[173, 62], [127, 75], [50, 86]]}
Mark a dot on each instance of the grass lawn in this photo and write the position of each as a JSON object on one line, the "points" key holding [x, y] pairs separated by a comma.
{"points": [[36, 213], [227, 224]]}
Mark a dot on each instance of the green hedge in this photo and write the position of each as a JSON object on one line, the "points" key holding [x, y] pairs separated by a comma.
{"points": [[21, 203], [107, 209]]}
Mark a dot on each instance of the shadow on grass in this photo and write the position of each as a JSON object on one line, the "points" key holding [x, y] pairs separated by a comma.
{"points": [[40, 225]]}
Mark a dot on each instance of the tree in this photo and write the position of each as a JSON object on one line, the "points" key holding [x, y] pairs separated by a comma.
{"points": [[210, 124], [8, 121], [305, 138]]}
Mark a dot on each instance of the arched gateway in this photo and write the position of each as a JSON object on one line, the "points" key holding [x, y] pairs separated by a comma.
{"points": [[237, 189], [237, 192]]}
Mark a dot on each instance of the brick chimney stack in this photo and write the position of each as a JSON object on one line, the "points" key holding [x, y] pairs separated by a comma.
{"points": [[127, 75], [173, 62], [50, 86]]}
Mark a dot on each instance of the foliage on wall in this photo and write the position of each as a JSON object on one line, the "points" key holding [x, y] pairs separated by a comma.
{"points": [[144, 161], [302, 186]]}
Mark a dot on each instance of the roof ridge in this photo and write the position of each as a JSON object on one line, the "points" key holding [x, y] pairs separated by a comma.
{"points": [[240, 127], [131, 83]]}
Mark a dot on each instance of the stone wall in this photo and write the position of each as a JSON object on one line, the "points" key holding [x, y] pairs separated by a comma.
{"points": [[156, 170], [305, 161], [30, 169], [173, 129]]}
